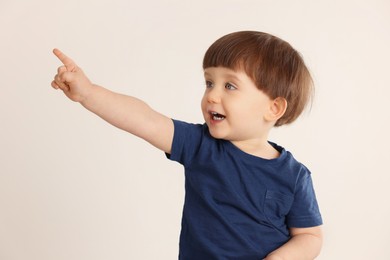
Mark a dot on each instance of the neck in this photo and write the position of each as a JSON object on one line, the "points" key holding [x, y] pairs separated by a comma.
{"points": [[258, 147]]}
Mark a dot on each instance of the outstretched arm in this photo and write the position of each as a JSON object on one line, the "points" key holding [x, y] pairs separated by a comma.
{"points": [[125, 112]]}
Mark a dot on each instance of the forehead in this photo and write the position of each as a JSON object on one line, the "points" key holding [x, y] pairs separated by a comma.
{"points": [[238, 75]]}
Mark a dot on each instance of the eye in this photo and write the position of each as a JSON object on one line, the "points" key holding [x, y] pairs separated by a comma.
{"points": [[209, 84], [230, 86]]}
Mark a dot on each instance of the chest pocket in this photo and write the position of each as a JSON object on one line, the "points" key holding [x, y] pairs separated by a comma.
{"points": [[276, 207]]}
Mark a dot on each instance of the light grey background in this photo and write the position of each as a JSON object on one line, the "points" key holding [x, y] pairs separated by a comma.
{"points": [[74, 187]]}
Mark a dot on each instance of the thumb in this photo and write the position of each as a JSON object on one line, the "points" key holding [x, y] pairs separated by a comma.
{"points": [[66, 77]]}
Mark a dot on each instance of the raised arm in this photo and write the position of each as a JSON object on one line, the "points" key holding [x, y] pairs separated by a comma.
{"points": [[125, 112]]}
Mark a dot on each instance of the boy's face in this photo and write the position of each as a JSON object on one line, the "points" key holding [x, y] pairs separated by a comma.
{"points": [[233, 107]]}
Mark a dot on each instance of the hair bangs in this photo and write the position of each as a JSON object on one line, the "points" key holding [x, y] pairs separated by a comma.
{"points": [[221, 54]]}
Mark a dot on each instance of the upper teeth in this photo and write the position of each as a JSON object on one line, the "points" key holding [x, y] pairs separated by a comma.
{"points": [[217, 116]]}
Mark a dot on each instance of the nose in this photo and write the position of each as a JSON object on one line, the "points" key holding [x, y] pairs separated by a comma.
{"points": [[213, 95]]}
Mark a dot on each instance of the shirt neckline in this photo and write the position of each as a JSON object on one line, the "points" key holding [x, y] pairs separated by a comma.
{"points": [[254, 158]]}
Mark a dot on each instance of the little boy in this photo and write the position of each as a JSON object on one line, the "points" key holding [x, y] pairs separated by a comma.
{"points": [[246, 198]]}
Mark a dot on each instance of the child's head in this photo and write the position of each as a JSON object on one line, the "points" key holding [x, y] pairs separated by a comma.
{"points": [[274, 66]]}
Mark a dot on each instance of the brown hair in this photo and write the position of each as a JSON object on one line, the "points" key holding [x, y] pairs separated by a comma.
{"points": [[273, 64]]}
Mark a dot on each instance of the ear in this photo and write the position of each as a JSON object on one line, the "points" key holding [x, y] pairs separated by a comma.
{"points": [[276, 109]]}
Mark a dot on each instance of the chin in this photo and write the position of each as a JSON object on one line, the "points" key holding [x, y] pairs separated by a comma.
{"points": [[217, 134]]}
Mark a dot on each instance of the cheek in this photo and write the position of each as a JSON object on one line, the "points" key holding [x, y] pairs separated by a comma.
{"points": [[203, 106], [248, 111], [203, 102], [243, 107]]}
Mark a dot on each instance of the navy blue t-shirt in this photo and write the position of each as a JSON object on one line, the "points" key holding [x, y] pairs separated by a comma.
{"points": [[238, 206]]}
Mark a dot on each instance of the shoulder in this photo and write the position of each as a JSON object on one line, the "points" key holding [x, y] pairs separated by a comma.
{"points": [[185, 132], [290, 171], [296, 167], [189, 140]]}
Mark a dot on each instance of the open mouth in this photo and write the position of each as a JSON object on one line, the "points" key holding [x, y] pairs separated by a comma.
{"points": [[216, 116]]}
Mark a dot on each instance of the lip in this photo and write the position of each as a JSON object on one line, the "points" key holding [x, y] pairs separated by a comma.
{"points": [[210, 111]]}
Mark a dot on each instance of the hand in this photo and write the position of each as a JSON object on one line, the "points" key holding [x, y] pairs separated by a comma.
{"points": [[71, 79]]}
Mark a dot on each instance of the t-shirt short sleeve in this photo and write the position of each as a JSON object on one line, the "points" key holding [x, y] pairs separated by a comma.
{"points": [[186, 141], [304, 211]]}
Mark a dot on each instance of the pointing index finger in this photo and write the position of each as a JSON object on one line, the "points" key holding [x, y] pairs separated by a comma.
{"points": [[68, 62]]}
